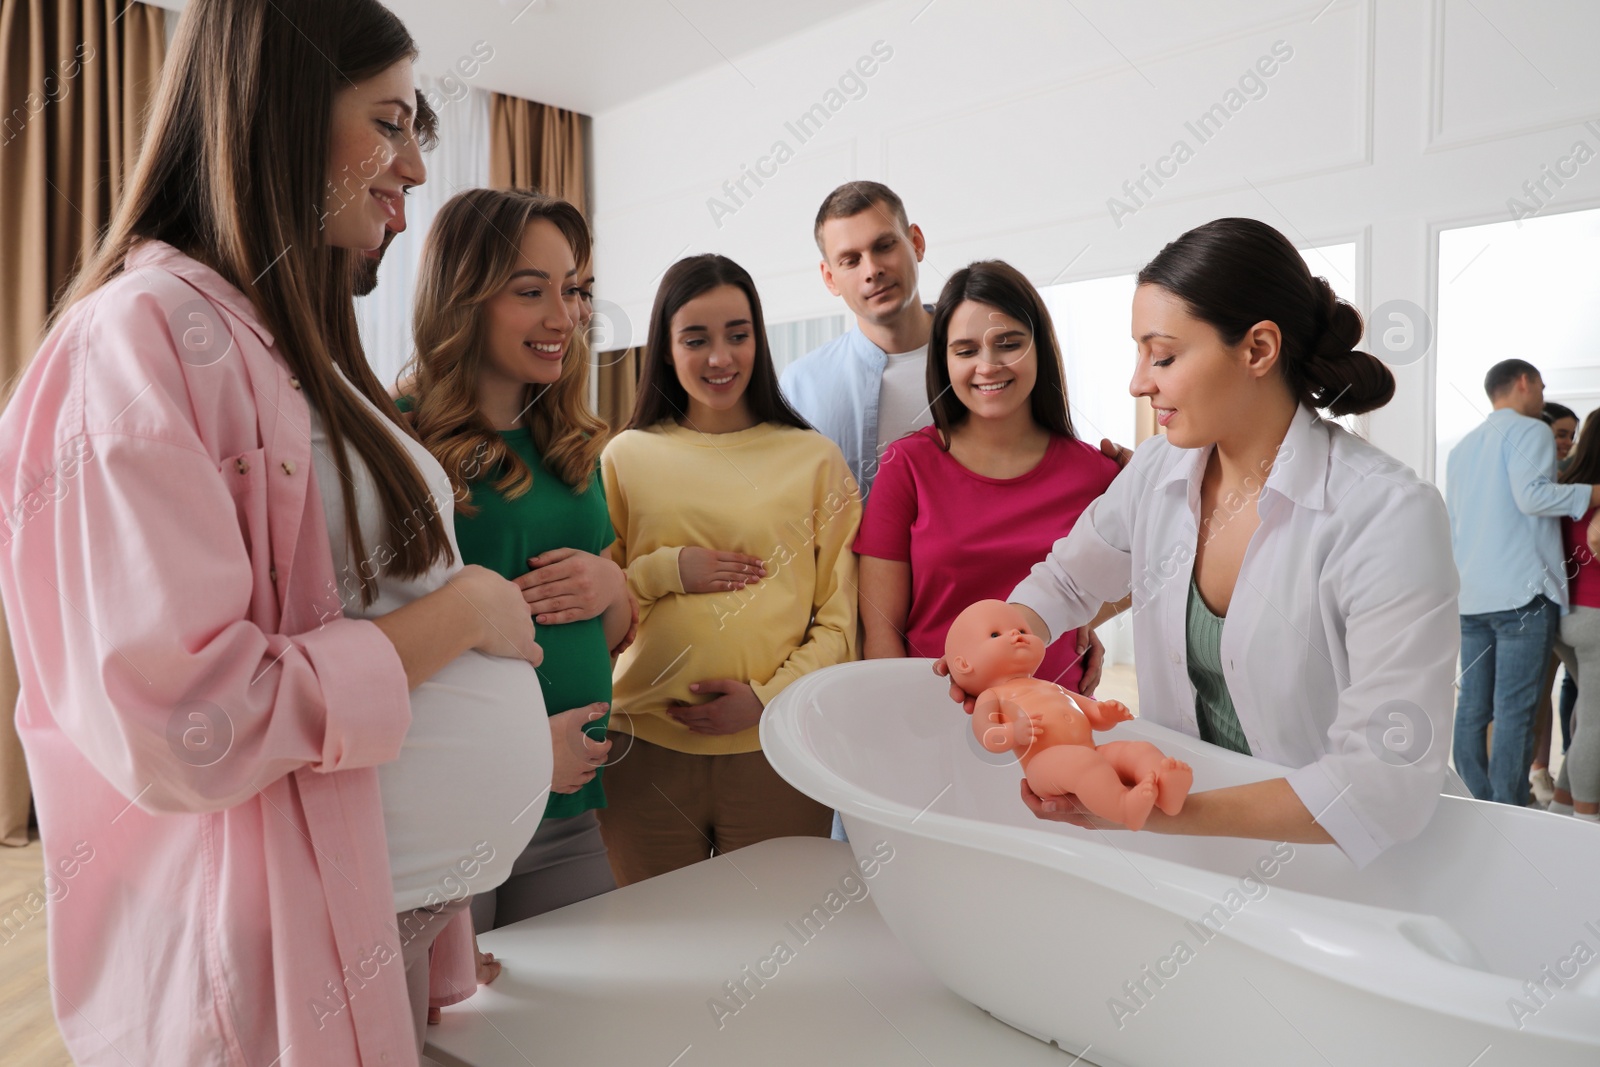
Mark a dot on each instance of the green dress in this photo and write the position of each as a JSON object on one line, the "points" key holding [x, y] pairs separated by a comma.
{"points": [[502, 536], [1213, 706]]}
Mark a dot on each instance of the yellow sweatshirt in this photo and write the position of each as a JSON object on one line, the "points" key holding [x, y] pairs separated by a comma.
{"points": [[772, 491]]}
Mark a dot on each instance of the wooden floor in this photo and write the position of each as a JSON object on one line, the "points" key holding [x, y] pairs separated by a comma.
{"points": [[28, 1033]]}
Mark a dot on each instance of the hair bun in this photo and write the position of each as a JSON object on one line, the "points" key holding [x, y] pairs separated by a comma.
{"points": [[1341, 323], [1343, 379]]}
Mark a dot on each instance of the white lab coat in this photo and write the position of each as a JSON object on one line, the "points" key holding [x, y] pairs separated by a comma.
{"points": [[1342, 635]]}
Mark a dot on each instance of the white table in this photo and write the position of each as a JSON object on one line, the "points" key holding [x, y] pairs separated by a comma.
{"points": [[629, 978]]}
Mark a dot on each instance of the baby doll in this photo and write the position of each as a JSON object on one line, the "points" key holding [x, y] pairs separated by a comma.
{"points": [[991, 652]]}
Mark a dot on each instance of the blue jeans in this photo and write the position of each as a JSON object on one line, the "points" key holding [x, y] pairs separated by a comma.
{"points": [[1503, 658]]}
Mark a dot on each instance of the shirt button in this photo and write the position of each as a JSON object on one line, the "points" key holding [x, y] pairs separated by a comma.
{"points": [[294, 383], [241, 465], [272, 572], [288, 467]]}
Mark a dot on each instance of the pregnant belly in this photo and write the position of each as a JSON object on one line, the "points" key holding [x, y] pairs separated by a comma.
{"points": [[470, 785]]}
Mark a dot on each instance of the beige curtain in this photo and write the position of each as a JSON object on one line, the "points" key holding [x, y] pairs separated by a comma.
{"points": [[536, 146], [76, 77], [618, 374]]}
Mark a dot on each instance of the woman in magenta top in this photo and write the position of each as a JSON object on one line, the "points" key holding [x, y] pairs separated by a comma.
{"points": [[961, 510], [1578, 789]]}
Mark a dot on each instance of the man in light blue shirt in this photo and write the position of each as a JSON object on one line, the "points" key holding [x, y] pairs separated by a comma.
{"points": [[1505, 507], [867, 388]]}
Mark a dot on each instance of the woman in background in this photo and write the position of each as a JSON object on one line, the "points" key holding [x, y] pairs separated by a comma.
{"points": [[1563, 422], [1577, 790], [734, 521], [1000, 467], [500, 396]]}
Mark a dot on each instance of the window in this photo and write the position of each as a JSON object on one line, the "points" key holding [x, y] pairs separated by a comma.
{"points": [[1528, 289], [791, 340]]}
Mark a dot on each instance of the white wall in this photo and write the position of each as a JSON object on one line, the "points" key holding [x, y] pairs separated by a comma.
{"points": [[1007, 126]]}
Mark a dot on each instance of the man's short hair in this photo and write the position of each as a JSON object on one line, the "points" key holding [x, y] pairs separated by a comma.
{"points": [[852, 198], [1504, 375], [426, 123]]}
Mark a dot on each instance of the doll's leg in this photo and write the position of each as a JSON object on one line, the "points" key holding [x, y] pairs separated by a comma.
{"points": [[1083, 772], [1135, 760]]}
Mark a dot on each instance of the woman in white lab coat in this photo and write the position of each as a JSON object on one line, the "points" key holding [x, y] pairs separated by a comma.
{"points": [[1293, 591]]}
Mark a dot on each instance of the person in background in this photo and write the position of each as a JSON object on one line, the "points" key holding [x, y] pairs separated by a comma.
{"points": [[1563, 423], [1504, 502], [866, 389], [1001, 471], [1577, 791], [863, 389], [714, 459], [499, 396]]}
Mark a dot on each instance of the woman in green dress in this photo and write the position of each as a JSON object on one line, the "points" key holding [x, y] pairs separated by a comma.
{"points": [[498, 391]]}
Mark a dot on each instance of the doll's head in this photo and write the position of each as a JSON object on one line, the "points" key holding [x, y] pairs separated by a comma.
{"points": [[989, 643]]}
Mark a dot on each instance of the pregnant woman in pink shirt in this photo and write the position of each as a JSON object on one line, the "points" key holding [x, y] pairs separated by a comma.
{"points": [[960, 510], [203, 723]]}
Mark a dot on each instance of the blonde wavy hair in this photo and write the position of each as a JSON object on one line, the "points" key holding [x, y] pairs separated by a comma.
{"points": [[470, 254]]}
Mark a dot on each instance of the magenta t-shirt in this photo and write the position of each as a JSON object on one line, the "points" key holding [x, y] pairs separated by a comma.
{"points": [[1583, 570], [971, 538]]}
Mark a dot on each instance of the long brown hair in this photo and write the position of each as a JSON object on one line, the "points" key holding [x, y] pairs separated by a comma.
{"points": [[471, 252], [999, 285], [661, 394], [233, 173]]}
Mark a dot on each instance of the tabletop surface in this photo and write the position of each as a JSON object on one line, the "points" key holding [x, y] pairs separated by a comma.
{"points": [[774, 954]]}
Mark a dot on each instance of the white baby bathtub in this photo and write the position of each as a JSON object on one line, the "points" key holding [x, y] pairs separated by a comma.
{"points": [[1476, 945]]}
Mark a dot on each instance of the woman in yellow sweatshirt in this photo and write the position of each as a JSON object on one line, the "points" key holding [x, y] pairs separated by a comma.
{"points": [[734, 521]]}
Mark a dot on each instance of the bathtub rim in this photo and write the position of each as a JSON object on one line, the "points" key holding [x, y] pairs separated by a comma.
{"points": [[1367, 936]]}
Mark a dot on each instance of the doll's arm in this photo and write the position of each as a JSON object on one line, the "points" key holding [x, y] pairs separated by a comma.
{"points": [[1102, 714], [1002, 725]]}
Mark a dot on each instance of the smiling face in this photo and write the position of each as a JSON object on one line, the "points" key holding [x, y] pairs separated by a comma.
{"points": [[1199, 386], [373, 157], [713, 351], [870, 262], [530, 321], [992, 361], [1565, 430], [990, 642]]}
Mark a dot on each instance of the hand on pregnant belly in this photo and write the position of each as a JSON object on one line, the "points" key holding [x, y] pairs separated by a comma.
{"points": [[568, 584], [504, 628], [736, 708], [705, 570], [576, 753]]}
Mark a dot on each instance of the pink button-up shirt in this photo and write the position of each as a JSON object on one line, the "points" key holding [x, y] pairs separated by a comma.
{"points": [[201, 723]]}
